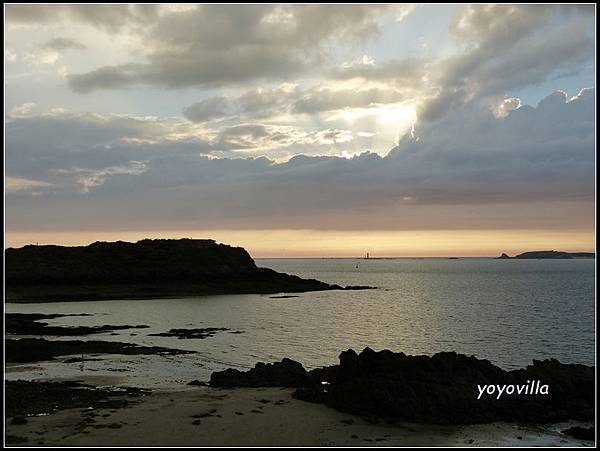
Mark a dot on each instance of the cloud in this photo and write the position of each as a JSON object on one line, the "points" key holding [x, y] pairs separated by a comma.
{"points": [[499, 48], [206, 110], [111, 18], [88, 179], [505, 106], [216, 45], [407, 72], [288, 99], [14, 184], [507, 47], [62, 43], [326, 99], [10, 56], [23, 110], [46, 146], [266, 137], [64, 147], [108, 77], [469, 169], [265, 102]]}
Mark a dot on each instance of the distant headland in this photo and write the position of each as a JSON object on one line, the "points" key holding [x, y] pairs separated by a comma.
{"points": [[145, 269], [550, 254]]}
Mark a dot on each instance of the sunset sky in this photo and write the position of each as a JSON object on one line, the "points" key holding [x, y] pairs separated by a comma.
{"points": [[303, 130]]}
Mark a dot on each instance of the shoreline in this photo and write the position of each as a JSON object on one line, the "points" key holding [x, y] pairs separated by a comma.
{"points": [[205, 416]]}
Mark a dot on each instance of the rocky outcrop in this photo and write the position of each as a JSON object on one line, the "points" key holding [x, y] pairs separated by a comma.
{"points": [[146, 269], [502, 257], [287, 373], [445, 388]]}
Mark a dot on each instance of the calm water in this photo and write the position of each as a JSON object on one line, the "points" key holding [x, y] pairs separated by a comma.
{"points": [[507, 311]]}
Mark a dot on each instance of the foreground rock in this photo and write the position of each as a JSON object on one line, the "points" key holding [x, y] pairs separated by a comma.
{"points": [[440, 389], [26, 350], [146, 269], [31, 324]]}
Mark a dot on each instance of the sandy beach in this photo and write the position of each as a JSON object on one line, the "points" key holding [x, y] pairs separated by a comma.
{"points": [[202, 416]]}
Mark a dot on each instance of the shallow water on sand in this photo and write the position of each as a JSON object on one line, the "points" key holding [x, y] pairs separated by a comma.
{"points": [[507, 311]]}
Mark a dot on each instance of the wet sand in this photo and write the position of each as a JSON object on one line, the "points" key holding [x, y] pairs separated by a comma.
{"points": [[203, 416]]}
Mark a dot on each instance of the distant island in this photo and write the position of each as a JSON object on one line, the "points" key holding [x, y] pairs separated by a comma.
{"points": [[550, 254], [146, 269]]}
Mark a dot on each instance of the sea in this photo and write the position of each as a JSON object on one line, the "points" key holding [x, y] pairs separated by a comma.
{"points": [[507, 311]]}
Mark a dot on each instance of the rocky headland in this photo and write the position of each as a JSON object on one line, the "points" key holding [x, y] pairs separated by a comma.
{"points": [[146, 269]]}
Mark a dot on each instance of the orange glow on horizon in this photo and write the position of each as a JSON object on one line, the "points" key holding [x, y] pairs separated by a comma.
{"points": [[342, 243]]}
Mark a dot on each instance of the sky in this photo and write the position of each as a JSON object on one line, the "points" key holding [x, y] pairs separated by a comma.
{"points": [[303, 130]]}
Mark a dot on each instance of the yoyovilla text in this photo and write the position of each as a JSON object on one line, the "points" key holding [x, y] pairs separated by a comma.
{"points": [[529, 388]]}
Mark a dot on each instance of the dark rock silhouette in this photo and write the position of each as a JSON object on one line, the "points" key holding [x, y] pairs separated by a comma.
{"points": [[439, 389], [287, 373], [503, 256], [148, 268]]}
